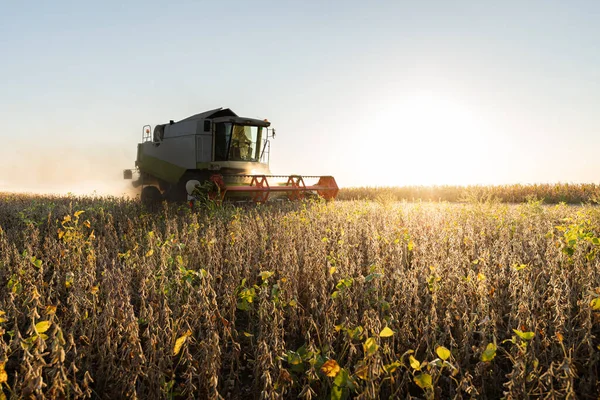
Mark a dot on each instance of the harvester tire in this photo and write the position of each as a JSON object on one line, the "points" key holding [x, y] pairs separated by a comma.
{"points": [[151, 195]]}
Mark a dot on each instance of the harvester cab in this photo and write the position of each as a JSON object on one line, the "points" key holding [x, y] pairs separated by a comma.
{"points": [[219, 152]]}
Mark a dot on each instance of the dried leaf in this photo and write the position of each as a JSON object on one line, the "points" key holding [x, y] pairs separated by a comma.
{"points": [[362, 371]]}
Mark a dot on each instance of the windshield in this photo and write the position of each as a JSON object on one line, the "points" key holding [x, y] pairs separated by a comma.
{"points": [[237, 142]]}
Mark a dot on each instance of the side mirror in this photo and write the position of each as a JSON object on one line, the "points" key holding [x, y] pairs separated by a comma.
{"points": [[273, 133]]}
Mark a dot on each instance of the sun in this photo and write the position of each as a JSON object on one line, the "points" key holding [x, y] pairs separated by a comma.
{"points": [[429, 139]]}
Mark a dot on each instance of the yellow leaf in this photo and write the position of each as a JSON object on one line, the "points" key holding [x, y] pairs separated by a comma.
{"points": [[3, 320], [386, 332], [392, 367], [67, 218], [3, 375], [489, 353], [180, 341], [332, 270], [149, 253], [78, 213], [42, 326], [293, 303], [87, 224], [414, 363], [423, 380], [248, 334], [370, 346], [595, 304], [524, 335], [330, 368], [442, 352], [559, 336], [50, 310], [94, 289], [480, 277]]}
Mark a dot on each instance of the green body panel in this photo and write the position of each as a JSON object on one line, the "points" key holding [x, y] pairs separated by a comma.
{"points": [[172, 173], [160, 169]]}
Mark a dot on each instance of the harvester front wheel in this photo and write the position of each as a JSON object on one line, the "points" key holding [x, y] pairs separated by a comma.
{"points": [[151, 195]]}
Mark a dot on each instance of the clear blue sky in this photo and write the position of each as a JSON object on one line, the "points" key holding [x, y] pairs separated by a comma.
{"points": [[375, 93]]}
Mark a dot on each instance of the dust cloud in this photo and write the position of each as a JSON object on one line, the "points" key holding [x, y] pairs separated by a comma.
{"points": [[59, 169]]}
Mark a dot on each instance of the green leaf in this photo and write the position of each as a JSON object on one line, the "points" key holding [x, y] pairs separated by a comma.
{"points": [[414, 363], [386, 332], [423, 380], [336, 393], [370, 277], [344, 380], [524, 335], [294, 358], [355, 333], [42, 326], [489, 353], [442, 352]]}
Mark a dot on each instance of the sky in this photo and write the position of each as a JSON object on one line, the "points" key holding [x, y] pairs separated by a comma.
{"points": [[380, 93]]}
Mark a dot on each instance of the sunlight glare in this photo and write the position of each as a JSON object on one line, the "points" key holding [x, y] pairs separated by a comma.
{"points": [[430, 140]]}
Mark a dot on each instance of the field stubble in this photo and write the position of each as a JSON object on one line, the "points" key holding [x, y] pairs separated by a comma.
{"points": [[102, 299]]}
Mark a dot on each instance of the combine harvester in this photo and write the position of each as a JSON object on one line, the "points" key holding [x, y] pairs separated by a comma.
{"points": [[216, 151]]}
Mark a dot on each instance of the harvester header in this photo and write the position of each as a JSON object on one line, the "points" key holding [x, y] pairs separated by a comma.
{"points": [[220, 152]]}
